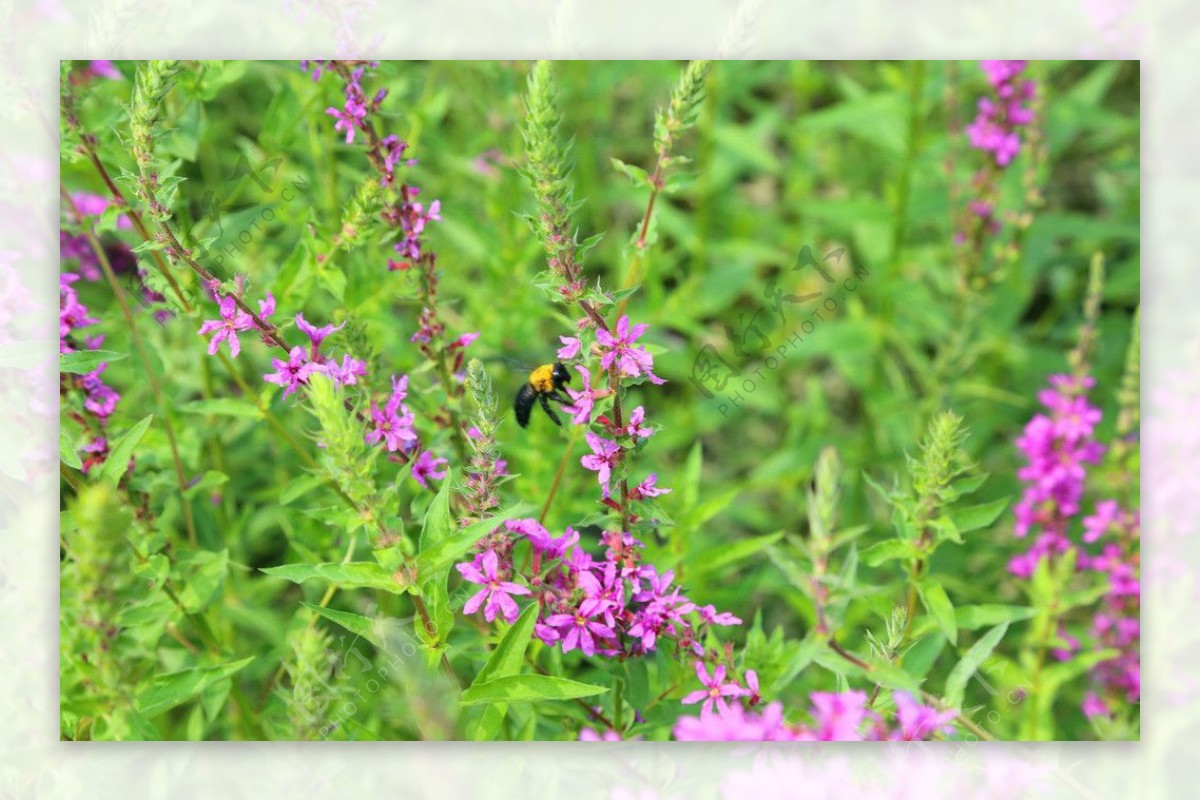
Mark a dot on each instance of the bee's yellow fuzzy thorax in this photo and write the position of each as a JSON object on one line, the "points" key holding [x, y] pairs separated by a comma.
{"points": [[542, 379]]}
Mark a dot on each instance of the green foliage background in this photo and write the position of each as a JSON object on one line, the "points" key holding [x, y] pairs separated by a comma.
{"points": [[783, 154]]}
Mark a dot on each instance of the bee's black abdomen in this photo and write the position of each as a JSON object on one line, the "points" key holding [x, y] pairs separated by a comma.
{"points": [[523, 404]]}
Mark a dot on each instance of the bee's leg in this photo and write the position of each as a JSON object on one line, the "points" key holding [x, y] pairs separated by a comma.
{"points": [[549, 411], [558, 396]]}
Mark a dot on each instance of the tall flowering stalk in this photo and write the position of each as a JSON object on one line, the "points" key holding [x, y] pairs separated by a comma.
{"points": [[1099, 549], [1007, 122], [405, 218]]}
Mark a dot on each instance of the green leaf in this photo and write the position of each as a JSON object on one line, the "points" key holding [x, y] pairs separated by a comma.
{"points": [[346, 575], [172, 689], [934, 597], [980, 615], [635, 174], [122, 451], [66, 449], [207, 574], [222, 407], [370, 629], [956, 683], [210, 480], [894, 678], [981, 516], [442, 554], [513, 689], [85, 361], [504, 661], [886, 551], [438, 521]]}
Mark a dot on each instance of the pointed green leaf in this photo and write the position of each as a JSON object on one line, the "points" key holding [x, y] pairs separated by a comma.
{"points": [[122, 451], [172, 689], [85, 361], [981, 516], [934, 597], [533, 687], [347, 575], [370, 629], [980, 615], [886, 551], [956, 684]]}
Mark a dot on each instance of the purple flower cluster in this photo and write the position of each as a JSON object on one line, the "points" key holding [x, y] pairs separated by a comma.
{"points": [[99, 399], [996, 128], [631, 360], [75, 246], [352, 117], [615, 606], [1057, 446], [410, 216], [1117, 624], [834, 717], [72, 314], [393, 424]]}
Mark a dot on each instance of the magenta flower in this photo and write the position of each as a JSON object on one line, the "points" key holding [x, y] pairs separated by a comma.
{"points": [[752, 686], [426, 467], [647, 488], [578, 631], [631, 360], [570, 348], [734, 723], [463, 341], [1094, 706], [918, 722], [348, 372], [393, 423], [226, 328], [290, 374], [591, 735], [71, 313], [996, 127], [709, 614], [105, 69], [716, 688], [540, 539], [635, 427], [838, 715], [602, 459], [1057, 447], [496, 592], [1097, 525], [316, 335], [584, 401], [100, 399], [266, 307]]}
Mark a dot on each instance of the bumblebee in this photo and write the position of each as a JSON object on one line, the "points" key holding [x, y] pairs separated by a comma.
{"points": [[545, 384]]}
